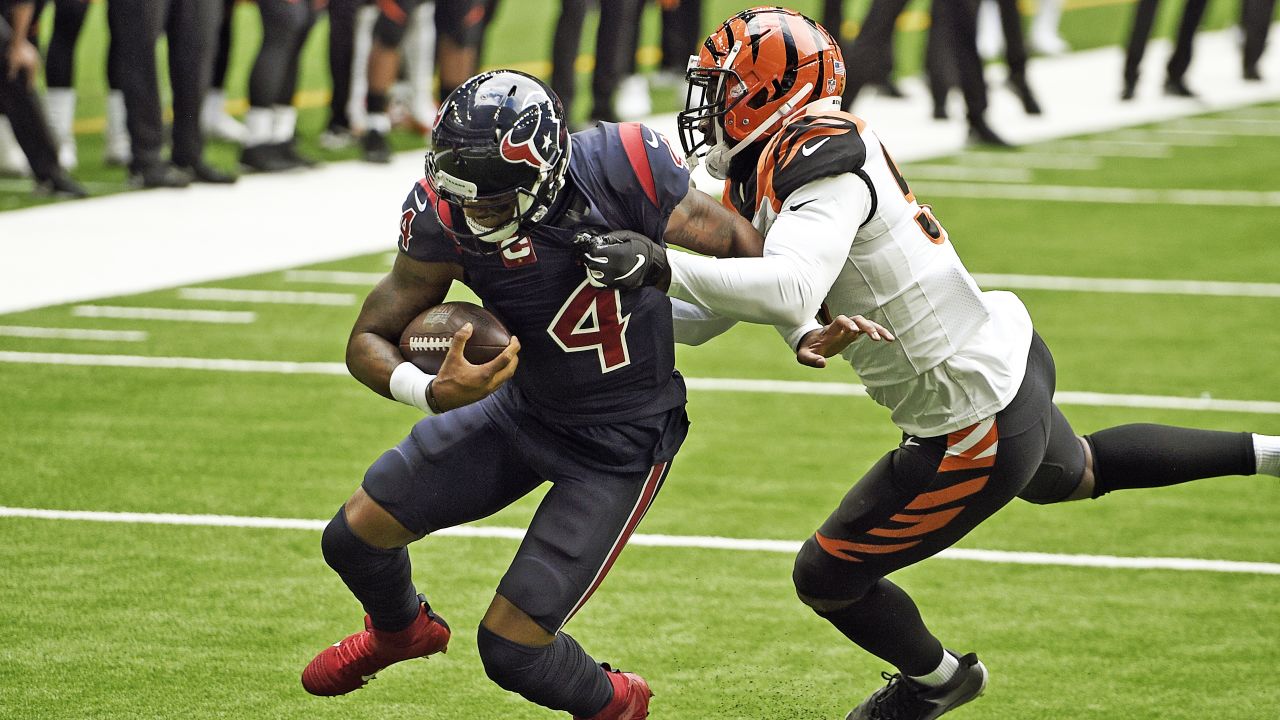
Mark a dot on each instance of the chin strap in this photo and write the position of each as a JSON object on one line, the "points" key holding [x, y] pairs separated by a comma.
{"points": [[718, 157]]}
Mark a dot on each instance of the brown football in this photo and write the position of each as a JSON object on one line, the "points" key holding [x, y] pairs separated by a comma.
{"points": [[426, 340]]}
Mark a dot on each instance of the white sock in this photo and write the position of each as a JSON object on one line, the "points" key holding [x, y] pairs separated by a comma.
{"points": [[1266, 451], [259, 124], [286, 121], [945, 671], [119, 148], [379, 122]]}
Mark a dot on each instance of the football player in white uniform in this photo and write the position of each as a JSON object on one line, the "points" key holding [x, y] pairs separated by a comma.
{"points": [[967, 379]]}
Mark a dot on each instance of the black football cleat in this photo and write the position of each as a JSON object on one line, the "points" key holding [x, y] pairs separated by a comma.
{"points": [[374, 147], [289, 152], [158, 175], [203, 172], [1130, 88], [61, 185], [889, 89], [1175, 87], [905, 699], [264, 159], [1023, 91], [1251, 73], [980, 133]]}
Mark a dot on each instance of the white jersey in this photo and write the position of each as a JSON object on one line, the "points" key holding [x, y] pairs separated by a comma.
{"points": [[844, 235]]}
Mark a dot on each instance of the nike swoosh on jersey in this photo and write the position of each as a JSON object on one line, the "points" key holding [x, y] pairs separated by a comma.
{"points": [[797, 206], [808, 150], [639, 264], [652, 139], [422, 205]]}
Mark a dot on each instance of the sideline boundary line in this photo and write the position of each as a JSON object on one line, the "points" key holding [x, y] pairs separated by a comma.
{"points": [[673, 541], [792, 387]]}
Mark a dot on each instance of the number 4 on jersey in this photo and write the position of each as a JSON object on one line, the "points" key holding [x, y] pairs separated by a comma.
{"points": [[592, 319]]}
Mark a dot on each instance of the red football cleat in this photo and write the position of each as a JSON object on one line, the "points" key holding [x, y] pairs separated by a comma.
{"points": [[349, 664], [630, 698]]}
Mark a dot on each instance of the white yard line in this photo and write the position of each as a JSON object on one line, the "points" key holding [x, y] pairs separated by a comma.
{"points": [[1218, 126], [283, 297], [704, 542], [333, 277], [1116, 148], [24, 331], [792, 387], [1169, 136], [1128, 285], [961, 172], [232, 317], [1113, 195], [1033, 160]]}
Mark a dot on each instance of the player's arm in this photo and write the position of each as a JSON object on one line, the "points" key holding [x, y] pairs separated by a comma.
{"points": [[702, 225], [412, 286], [20, 55], [694, 325], [804, 252], [373, 352]]}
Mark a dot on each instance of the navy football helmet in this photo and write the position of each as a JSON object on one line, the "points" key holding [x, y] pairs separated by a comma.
{"points": [[499, 156]]}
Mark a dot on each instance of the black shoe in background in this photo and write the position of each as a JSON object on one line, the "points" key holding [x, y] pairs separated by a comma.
{"points": [[61, 185], [1175, 87], [1251, 73], [203, 172], [158, 175], [375, 148], [980, 133], [263, 159], [889, 88], [289, 152], [1130, 87], [1023, 91]]}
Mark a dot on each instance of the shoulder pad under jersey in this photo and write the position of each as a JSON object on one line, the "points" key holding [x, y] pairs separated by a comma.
{"points": [[817, 144]]}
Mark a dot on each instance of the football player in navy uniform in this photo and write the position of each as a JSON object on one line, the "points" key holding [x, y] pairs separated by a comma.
{"points": [[594, 404], [967, 379]]}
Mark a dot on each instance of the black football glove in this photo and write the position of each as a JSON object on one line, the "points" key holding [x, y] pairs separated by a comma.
{"points": [[623, 259]]}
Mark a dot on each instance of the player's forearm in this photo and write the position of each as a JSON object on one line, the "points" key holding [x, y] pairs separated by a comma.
{"points": [[20, 19], [694, 324], [371, 359], [771, 290]]}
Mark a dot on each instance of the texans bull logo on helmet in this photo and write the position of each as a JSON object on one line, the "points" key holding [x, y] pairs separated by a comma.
{"points": [[526, 144]]}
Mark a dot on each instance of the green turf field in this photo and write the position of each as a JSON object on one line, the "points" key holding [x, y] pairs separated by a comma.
{"points": [[520, 37], [123, 620]]}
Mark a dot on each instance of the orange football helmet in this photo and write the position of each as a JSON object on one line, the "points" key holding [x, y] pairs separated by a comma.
{"points": [[758, 67]]}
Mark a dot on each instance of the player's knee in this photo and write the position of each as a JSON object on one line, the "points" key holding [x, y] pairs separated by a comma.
{"points": [[505, 662], [338, 543], [824, 583]]}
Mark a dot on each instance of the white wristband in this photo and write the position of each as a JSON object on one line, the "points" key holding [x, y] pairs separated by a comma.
{"points": [[409, 385]]}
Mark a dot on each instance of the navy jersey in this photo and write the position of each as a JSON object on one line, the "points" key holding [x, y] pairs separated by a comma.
{"points": [[587, 354]]}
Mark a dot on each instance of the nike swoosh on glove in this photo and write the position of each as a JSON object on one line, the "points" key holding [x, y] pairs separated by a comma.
{"points": [[623, 259]]}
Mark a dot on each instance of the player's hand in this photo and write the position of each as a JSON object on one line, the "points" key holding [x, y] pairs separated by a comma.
{"points": [[460, 383], [818, 345], [23, 57], [623, 259]]}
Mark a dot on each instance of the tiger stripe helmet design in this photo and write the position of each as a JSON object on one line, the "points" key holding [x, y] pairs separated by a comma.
{"points": [[754, 70]]}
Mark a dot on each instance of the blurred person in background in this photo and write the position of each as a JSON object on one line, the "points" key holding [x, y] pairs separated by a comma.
{"points": [[216, 121], [951, 60], [1045, 38], [192, 30], [342, 49], [681, 31], [1144, 16], [19, 66], [615, 53], [1000, 29], [1255, 22], [271, 123], [869, 58], [459, 26], [60, 90]]}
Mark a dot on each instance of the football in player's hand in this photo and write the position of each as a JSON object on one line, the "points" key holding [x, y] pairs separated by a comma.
{"points": [[426, 340]]}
